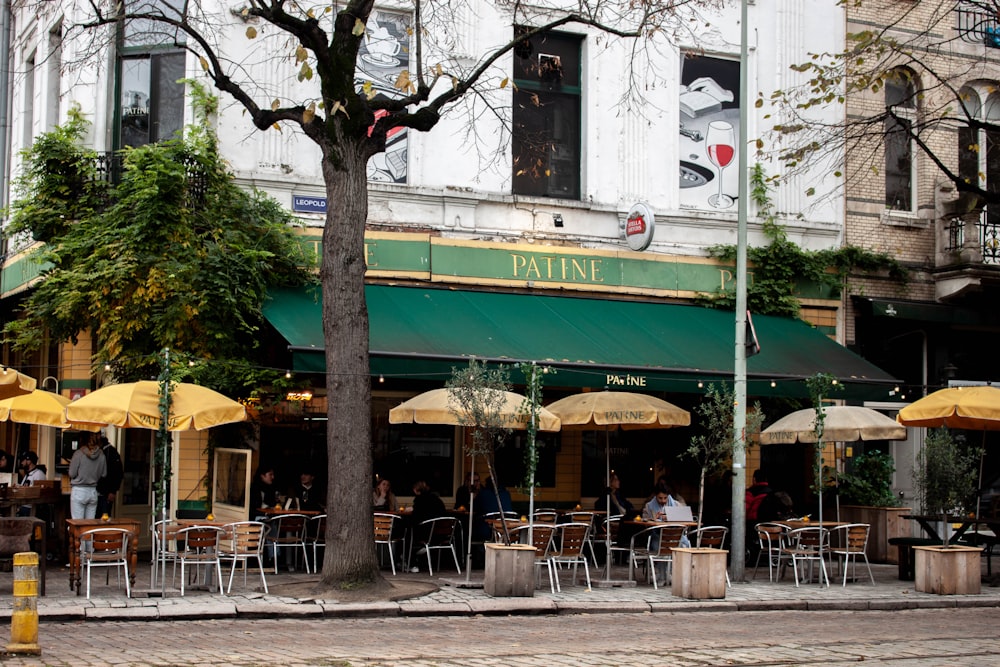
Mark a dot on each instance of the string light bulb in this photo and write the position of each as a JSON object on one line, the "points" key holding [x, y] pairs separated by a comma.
{"points": [[381, 379], [773, 384], [107, 367], [701, 384], [288, 375]]}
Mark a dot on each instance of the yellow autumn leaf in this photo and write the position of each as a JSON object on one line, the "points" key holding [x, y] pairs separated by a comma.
{"points": [[311, 13], [276, 126], [301, 54], [503, 84], [548, 172], [275, 104], [251, 32], [404, 83], [359, 28], [309, 113], [204, 63], [439, 71]]}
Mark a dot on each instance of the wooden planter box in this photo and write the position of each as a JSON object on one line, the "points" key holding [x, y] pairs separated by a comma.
{"points": [[509, 571], [886, 523], [699, 574], [951, 570]]}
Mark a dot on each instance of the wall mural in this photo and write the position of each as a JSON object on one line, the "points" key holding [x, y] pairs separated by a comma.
{"points": [[710, 124], [384, 53]]}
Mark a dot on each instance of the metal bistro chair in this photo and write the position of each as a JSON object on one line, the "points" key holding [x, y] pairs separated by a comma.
{"points": [[385, 525], [612, 526], [316, 537], [288, 530], [806, 546], [199, 546], [710, 537], [244, 542], [546, 515], [849, 542], [438, 535], [164, 538], [541, 539], [589, 519], [771, 538], [106, 547], [569, 540], [660, 548]]}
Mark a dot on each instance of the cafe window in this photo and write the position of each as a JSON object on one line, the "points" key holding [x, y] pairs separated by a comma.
{"points": [[900, 102], [407, 453], [151, 97], [546, 116]]}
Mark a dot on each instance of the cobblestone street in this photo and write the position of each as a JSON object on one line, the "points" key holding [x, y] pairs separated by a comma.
{"points": [[912, 638]]}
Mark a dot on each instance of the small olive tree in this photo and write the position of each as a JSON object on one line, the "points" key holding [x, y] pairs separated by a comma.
{"points": [[946, 474], [713, 450], [478, 399]]}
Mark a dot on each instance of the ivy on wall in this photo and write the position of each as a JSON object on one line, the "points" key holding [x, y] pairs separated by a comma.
{"points": [[781, 266]]}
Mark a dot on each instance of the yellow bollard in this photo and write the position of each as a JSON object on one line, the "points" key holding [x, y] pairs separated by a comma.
{"points": [[24, 619]]}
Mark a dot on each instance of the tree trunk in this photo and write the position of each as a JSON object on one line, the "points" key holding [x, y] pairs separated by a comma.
{"points": [[348, 558]]}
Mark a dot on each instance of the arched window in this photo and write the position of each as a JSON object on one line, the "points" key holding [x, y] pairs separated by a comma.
{"points": [[901, 104], [979, 156]]}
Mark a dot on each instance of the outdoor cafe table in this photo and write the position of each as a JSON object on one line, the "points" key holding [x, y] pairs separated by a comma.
{"points": [[929, 523], [76, 527]]}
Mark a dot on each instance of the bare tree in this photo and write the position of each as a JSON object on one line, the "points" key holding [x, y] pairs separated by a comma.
{"points": [[904, 79], [350, 124]]}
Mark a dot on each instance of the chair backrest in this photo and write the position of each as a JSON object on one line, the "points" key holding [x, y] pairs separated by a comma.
{"points": [[200, 538], [439, 531], [670, 537], [580, 517], [106, 541], [245, 537], [497, 525], [289, 526], [855, 537], [809, 538], [317, 528], [546, 516], [710, 537], [383, 526], [541, 537], [770, 535], [568, 539], [500, 515], [611, 526]]}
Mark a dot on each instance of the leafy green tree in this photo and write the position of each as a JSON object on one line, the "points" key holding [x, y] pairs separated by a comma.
{"points": [[350, 124], [175, 255], [870, 481], [947, 473]]}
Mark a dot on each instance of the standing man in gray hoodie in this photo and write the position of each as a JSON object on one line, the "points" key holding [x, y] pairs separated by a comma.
{"points": [[86, 468]]}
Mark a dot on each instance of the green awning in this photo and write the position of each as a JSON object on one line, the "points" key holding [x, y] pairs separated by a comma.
{"points": [[425, 332]]}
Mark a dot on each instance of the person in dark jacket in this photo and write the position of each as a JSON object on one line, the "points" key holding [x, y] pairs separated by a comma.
{"points": [[107, 486]]}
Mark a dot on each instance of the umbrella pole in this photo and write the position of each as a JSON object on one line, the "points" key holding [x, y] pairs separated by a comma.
{"points": [[607, 516], [472, 502]]}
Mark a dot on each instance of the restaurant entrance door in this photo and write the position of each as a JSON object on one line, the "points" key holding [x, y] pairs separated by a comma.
{"points": [[135, 498]]}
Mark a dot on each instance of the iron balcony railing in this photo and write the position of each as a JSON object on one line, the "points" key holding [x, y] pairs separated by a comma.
{"points": [[978, 22], [987, 229]]}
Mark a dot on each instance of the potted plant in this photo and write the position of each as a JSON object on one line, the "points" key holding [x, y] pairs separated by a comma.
{"points": [[867, 497], [946, 482], [480, 394]]}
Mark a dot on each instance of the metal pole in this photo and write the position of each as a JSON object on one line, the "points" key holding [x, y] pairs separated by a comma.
{"points": [[738, 513]]}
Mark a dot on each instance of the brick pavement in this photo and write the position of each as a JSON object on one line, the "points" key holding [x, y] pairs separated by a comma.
{"points": [[453, 598]]}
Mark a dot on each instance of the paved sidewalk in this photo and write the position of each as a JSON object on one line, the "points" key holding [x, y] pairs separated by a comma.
{"points": [[452, 597]]}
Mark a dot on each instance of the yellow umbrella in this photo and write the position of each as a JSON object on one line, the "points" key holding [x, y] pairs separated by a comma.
{"points": [[137, 405], [614, 409], [13, 383], [842, 423], [971, 408], [438, 406], [40, 407]]}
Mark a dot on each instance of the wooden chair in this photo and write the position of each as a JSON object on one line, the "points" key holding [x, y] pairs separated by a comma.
{"points": [[106, 547], [851, 541], [660, 548], [199, 546], [806, 546], [386, 535], [589, 519], [288, 531], [569, 543], [541, 539], [244, 542], [546, 516], [438, 535]]}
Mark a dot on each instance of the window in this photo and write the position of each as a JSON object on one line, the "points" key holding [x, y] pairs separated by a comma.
{"points": [[979, 156], [546, 117], [150, 99], [900, 102]]}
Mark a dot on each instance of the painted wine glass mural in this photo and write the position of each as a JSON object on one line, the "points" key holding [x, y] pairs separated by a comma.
{"points": [[721, 143]]}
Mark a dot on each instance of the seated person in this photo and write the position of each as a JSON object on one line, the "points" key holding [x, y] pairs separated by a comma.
{"points": [[426, 503], [465, 492], [620, 505], [490, 500], [383, 499], [262, 492], [306, 495], [656, 508]]}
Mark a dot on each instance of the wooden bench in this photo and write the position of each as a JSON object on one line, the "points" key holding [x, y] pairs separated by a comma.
{"points": [[905, 546]]}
